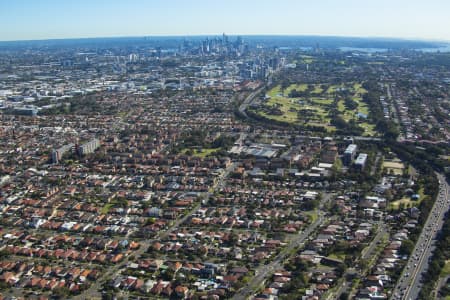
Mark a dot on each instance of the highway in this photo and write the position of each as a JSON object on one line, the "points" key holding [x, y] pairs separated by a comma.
{"points": [[249, 100], [408, 286]]}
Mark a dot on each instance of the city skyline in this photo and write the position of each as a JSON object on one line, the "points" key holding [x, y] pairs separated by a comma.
{"points": [[50, 19]]}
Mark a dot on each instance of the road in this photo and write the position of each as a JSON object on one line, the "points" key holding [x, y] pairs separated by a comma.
{"points": [[263, 272], [93, 291], [393, 109], [408, 286], [375, 164], [368, 252], [441, 283], [249, 100]]}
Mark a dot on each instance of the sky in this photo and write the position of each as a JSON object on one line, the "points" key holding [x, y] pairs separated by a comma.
{"points": [[55, 19]]}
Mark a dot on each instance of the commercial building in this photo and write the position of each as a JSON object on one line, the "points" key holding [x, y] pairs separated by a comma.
{"points": [[57, 154], [26, 111], [88, 147], [330, 154], [349, 154], [361, 160]]}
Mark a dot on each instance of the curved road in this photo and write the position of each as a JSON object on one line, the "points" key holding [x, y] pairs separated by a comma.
{"points": [[249, 100]]}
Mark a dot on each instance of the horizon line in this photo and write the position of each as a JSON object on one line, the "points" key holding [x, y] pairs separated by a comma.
{"points": [[417, 39]]}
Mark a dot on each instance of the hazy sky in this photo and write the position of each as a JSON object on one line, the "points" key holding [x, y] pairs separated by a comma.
{"points": [[47, 19]]}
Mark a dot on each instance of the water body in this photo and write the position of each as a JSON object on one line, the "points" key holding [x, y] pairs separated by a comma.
{"points": [[366, 50], [444, 48], [301, 48]]}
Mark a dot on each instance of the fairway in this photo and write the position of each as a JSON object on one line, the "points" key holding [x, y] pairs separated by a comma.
{"points": [[311, 104]]}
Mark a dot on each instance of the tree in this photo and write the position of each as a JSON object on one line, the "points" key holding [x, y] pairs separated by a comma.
{"points": [[350, 104], [61, 292], [407, 247], [168, 274], [343, 296], [233, 238]]}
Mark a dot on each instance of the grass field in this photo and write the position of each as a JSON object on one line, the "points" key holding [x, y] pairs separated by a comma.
{"points": [[307, 59], [393, 165], [408, 201], [106, 208], [396, 167], [314, 109], [317, 89], [312, 214], [339, 255], [358, 91], [358, 88], [201, 153], [446, 269], [332, 88], [322, 101], [369, 129], [298, 87]]}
